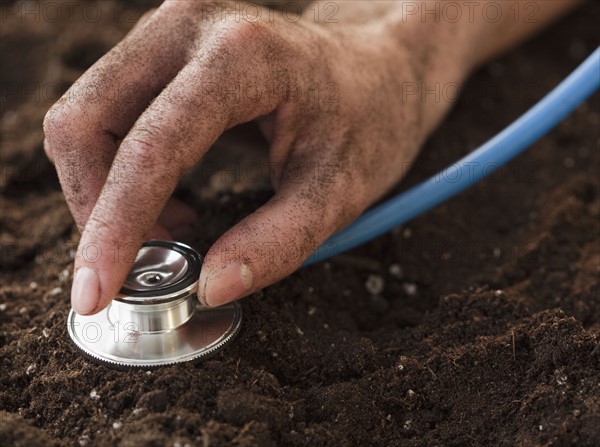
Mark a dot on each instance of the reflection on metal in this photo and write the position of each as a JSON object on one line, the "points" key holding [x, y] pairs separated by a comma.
{"points": [[157, 319]]}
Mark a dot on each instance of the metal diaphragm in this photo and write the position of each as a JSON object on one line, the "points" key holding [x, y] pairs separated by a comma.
{"points": [[157, 319]]}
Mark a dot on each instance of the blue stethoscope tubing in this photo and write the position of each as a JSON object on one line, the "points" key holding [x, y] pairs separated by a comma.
{"points": [[480, 163]]}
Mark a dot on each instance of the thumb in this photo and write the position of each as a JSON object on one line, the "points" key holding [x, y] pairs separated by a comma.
{"points": [[274, 241]]}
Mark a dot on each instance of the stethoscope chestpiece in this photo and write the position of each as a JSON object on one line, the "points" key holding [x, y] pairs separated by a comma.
{"points": [[157, 319]]}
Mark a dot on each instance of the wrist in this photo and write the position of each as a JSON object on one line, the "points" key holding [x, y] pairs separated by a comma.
{"points": [[440, 54]]}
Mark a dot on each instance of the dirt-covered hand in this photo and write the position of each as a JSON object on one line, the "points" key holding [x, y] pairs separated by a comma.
{"points": [[327, 97], [331, 98]]}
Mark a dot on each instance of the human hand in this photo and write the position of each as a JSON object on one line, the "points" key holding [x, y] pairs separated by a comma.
{"points": [[333, 156]]}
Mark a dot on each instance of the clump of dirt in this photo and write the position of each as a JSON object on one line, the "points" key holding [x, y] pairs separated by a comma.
{"points": [[476, 324]]}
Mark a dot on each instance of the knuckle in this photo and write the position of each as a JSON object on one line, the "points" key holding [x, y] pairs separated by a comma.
{"points": [[99, 226], [143, 144], [146, 149], [55, 122], [62, 129], [244, 29], [242, 38], [226, 41]]}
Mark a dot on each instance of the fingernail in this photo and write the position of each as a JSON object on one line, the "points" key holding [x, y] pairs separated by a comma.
{"points": [[85, 292], [229, 284]]}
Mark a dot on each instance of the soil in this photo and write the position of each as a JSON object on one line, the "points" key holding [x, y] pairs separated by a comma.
{"points": [[486, 331]]}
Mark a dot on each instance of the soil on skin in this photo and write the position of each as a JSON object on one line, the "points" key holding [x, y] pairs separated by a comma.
{"points": [[486, 331]]}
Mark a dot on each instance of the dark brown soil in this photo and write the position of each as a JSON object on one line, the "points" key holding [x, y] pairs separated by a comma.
{"points": [[487, 331]]}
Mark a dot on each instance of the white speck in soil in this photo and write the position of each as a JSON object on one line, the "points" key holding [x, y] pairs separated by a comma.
{"points": [[561, 380], [312, 310], [2, 307], [148, 373], [64, 275], [31, 369], [117, 425], [299, 331], [56, 291], [389, 417], [326, 326], [400, 367], [23, 310], [576, 413], [540, 427], [407, 424], [498, 292], [411, 393], [33, 285], [409, 288], [375, 284], [84, 440], [94, 395], [396, 271], [46, 333]]}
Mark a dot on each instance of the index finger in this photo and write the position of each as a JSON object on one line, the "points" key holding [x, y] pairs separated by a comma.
{"points": [[83, 127], [174, 132]]}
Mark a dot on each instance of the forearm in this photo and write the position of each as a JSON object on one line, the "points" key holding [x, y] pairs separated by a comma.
{"points": [[445, 40], [518, 20], [491, 26]]}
